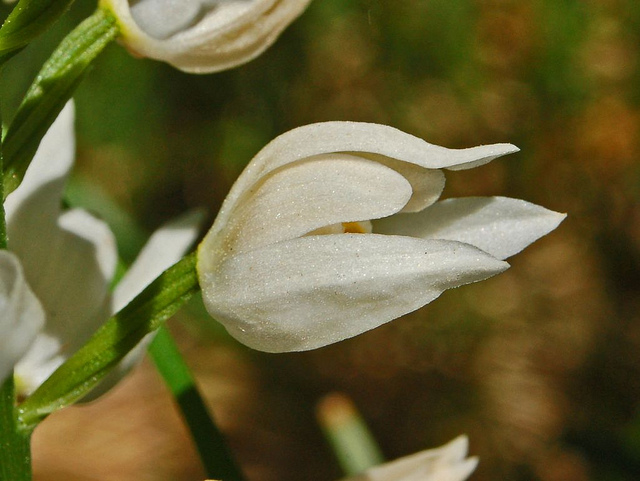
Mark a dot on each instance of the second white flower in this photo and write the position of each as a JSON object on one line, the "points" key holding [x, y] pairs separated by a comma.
{"points": [[294, 261]]}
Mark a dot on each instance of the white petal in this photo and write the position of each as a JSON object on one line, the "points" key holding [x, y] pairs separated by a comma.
{"points": [[218, 36], [69, 267], [163, 18], [164, 248], [313, 291], [365, 140], [21, 316], [45, 178], [498, 225], [447, 463], [38, 364], [306, 196], [426, 184]]}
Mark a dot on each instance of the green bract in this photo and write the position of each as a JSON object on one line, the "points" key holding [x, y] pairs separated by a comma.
{"points": [[28, 19], [51, 90]]}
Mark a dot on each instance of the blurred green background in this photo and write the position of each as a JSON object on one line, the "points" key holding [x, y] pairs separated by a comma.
{"points": [[540, 366]]}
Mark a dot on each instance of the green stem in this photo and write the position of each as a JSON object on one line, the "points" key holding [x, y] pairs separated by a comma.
{"points": [[50, 91], [15, 453], [108, 346], [348, 434], [3, 221], [209, 440]]}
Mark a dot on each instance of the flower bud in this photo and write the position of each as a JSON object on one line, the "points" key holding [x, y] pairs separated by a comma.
{"points": [[202, 36]]}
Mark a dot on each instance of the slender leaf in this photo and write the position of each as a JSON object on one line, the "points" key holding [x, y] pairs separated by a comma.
{"points": [[26, 21], [348, 434], [84, 370], [51, 90], [215, 456]]}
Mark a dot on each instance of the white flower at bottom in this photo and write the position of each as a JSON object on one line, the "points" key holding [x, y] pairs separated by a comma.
{"points": [[203, 36], [333, 229], [68, 259], [447, 463]]}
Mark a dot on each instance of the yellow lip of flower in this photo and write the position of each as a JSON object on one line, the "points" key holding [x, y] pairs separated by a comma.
{"points": [[357, 227]]}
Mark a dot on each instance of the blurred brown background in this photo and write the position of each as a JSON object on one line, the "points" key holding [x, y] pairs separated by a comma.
{"points": [[540, 366]]}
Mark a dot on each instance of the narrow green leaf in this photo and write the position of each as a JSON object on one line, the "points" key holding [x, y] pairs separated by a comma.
{"points": [[84, 370], [215, 456], [51, 90], [27, 20]]}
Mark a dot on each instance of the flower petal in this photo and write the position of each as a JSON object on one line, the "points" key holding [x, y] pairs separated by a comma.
{"points": [[498, 225], [45, 178], [445, 463], [426, 184], [163, 18], [313, 291], [21, 315], [364, 140], [165, 247], [37, 364], [305, 196], [69, 267], [222, 35]]}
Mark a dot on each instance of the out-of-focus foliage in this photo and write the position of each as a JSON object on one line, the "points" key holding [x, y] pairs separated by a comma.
{"points": [[539, 366]]}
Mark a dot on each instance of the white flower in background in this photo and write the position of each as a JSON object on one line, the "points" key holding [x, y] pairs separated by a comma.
{"points": [[21, 315], [69, 260], [297, 258], [202, 36], [447, 463]]}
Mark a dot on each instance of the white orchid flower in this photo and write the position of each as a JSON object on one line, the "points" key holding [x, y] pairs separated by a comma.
{"points": [[202, 36], [447, 463], [69, 260], [297, 258], [21, 315]]}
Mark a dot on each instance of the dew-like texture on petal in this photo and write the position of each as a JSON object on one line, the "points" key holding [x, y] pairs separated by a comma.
{"points": [[207, 35], [313, 291], [498, 225], [305, 196], [447, 463], [21, 315], [366, 140]]}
